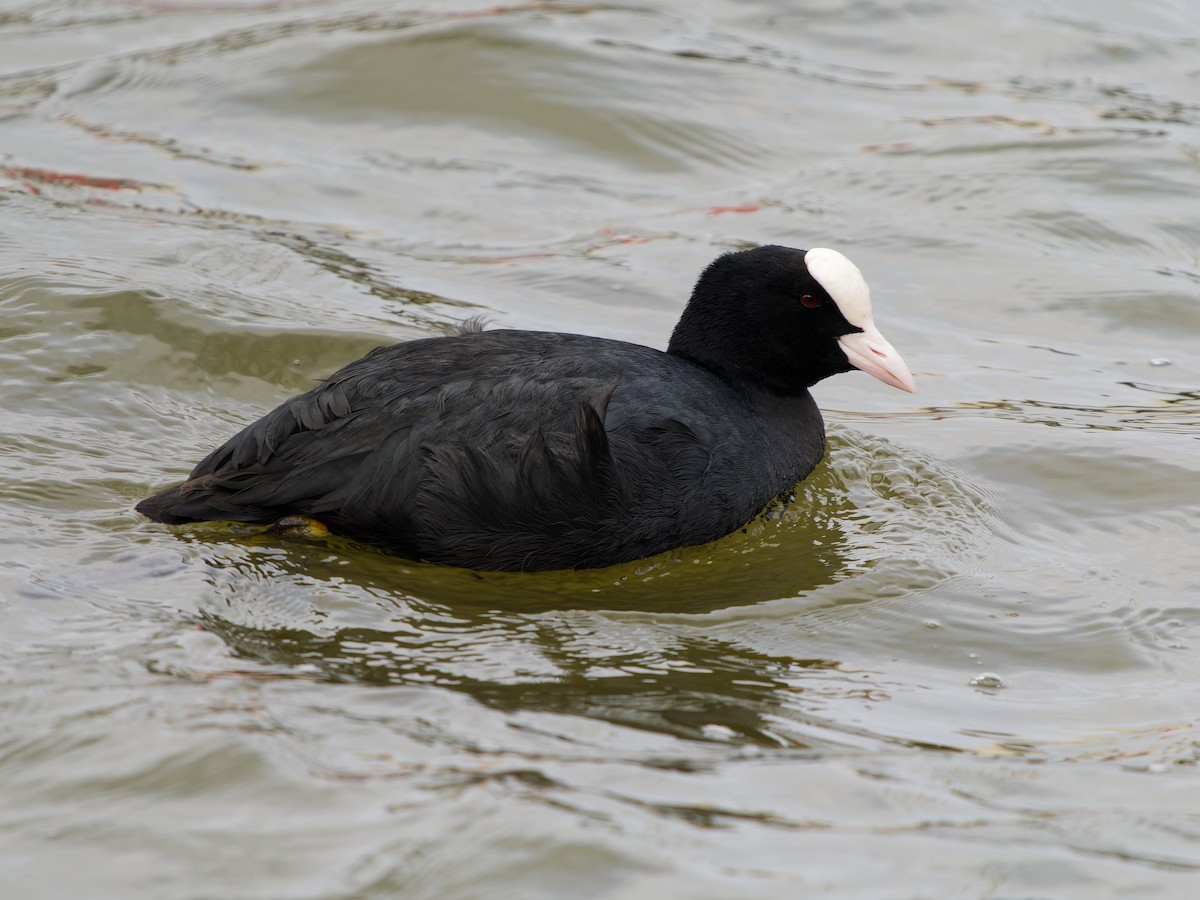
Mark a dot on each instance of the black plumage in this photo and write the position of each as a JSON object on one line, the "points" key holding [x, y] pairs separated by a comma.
{"points": [[519, 450]]}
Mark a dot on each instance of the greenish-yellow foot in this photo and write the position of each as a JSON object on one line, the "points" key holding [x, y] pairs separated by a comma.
{"points": [[299, 526]]}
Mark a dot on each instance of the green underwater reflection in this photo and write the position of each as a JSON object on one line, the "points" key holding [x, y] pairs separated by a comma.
{"points": [[798, 543]]}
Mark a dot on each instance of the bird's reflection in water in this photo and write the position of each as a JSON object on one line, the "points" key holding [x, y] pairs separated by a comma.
{"points": [[627, 645], [597, 643], [700, 689]]}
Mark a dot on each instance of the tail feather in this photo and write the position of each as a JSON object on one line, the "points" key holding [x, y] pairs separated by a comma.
{"points": [[184, 503]]}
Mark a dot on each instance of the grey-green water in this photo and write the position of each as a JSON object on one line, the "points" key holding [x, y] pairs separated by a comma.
{"points": [[962, 664]]}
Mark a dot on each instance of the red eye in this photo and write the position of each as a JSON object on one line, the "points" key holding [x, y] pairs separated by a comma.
{"points": [[810, 301]]}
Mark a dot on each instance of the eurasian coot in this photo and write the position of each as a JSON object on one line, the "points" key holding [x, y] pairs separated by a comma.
{"points": [[524, 450]]}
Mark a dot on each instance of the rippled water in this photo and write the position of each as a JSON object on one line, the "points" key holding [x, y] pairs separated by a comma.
{"points": [[960, 663]]}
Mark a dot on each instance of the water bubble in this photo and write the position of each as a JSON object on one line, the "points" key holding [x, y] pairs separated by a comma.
{"points": [[932, 624], [1160, 361], [986, 680]]}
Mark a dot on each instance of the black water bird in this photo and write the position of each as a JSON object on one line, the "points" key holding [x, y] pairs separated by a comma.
{"points": [[524, 450]]}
